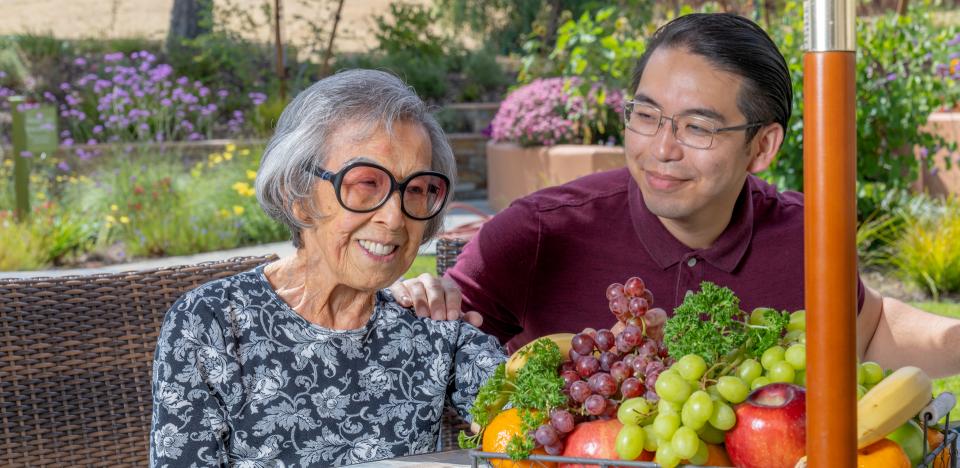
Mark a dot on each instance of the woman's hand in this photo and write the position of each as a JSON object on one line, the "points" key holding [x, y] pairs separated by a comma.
{"points": [[433, 297]]}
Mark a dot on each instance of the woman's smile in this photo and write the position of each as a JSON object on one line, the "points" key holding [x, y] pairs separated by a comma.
{"points": [[378, 251]]}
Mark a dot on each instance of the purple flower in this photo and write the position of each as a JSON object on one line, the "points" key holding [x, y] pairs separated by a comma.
{"points": [[182, 81], [165, 102], [98, 129], [114, 57], [3, 74], [92, 141], [64, 166], [257, 98], [67, 142], [891, 76], [26, 154], [222, 93], [194, 136], [64, 86], [79, 61], [923, 153]]}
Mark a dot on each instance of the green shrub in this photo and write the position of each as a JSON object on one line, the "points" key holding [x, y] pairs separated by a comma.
{"points": [[429, 61], [23, 247], [897, 89], [928, 252]]}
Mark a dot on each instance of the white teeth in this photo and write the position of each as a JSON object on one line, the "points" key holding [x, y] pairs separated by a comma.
{"points": [[377, 248]]}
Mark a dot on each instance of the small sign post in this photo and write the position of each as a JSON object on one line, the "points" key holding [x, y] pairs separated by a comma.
{"points": [[34, 134]]}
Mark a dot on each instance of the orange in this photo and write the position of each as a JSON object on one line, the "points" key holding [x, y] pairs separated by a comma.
{"points": [[497, 435], [884, 453], [934, 439], [717, 456]]}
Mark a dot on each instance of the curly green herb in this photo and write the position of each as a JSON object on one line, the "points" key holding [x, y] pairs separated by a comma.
{"points": [[711, 324], [535, 390]]}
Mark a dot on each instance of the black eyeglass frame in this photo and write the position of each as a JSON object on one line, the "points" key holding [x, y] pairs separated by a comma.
{"points": [[630, 104], [336, 178]]}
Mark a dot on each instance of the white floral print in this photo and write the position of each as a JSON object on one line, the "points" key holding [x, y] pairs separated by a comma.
{"points": [[241, 380]]}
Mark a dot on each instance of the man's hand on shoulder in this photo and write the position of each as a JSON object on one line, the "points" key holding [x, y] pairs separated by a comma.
{"points": [[433, 297]]}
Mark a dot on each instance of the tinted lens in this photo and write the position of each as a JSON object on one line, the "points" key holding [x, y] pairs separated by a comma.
{"points": [[424, 195], [364, 187]]}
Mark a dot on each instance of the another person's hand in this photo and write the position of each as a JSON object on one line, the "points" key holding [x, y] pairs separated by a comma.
{"points": [[437, 298]]}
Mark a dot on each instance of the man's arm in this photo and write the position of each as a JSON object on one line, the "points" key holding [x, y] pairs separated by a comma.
{"points": [[895, 334]]}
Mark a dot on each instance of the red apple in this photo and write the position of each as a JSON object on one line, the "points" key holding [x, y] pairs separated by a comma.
{"points": [[771, 429], [594, 439]]}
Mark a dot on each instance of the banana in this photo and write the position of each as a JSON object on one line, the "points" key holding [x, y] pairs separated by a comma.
{"points": [[890, 403], [519, 358]]}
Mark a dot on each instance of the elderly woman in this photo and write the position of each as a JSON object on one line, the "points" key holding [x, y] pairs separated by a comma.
{"points": [[307, 361]]}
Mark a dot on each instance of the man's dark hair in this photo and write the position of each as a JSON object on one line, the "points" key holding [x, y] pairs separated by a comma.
{"points": [[736, 45]]}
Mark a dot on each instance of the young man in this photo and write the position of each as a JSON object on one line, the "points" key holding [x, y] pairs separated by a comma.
{"points": [[712, 98]]}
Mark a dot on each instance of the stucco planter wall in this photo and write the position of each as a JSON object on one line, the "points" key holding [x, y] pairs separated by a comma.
{"points": [[514, 171], [935, 178]]}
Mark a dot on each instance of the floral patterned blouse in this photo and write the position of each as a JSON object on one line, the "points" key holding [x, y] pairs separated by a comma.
{"points": [[241, 379]]}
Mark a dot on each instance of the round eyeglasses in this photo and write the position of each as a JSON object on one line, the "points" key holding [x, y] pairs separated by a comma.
{"points": [[689, 130], [363, 187]]}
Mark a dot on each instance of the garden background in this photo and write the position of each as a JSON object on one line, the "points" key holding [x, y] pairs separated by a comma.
{"points": [[164, 108]]}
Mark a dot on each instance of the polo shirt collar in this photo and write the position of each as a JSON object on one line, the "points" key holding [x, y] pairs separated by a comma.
{"points": [[725, 253]]}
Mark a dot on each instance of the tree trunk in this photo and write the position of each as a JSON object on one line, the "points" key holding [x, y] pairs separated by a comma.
{"points": [[325, 68], [189, 19]]}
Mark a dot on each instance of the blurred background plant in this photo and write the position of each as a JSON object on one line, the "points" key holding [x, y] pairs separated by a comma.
{"points": [[898, 87]]}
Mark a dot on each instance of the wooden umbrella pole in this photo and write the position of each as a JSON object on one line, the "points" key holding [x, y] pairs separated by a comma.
{"points": [[830, 213]]}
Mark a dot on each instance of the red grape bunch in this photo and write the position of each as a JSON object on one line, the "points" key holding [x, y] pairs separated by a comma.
{"points": [[632, 304], [605, 369]]}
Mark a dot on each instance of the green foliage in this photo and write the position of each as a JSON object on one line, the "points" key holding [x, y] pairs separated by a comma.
{"points": [[928, 252], [409, 27], [24, 247], [12, 64], [147, 201], [505, 25], [600, 48], [897, 90], [429, 61], [481, 74]]}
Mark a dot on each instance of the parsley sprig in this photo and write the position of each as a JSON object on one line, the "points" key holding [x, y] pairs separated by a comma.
{"points": [[711, 324], [535, 390]]}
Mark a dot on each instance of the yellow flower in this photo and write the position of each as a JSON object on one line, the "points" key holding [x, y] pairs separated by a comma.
{"points": [[218, 159], [59, 178], [8, 162], [224, 213], [237, 210], [124, 219], [241, 187], [213, 156], [111, 219], [231, 147], [41, 196], [244, 152], [114, 208], [251, 174], [228, 156]]}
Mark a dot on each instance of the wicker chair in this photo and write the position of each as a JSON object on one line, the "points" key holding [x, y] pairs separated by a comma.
{"points": [[75, 362]]}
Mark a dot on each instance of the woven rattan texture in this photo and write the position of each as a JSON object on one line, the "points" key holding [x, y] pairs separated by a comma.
{"points": [[448, 248], [75, 362]]}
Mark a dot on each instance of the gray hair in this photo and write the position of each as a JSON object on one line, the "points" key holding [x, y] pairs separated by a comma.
{"points": [[376, 100]]}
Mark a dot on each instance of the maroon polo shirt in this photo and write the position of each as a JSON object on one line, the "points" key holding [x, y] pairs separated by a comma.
{"points": [[543, 264]]}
